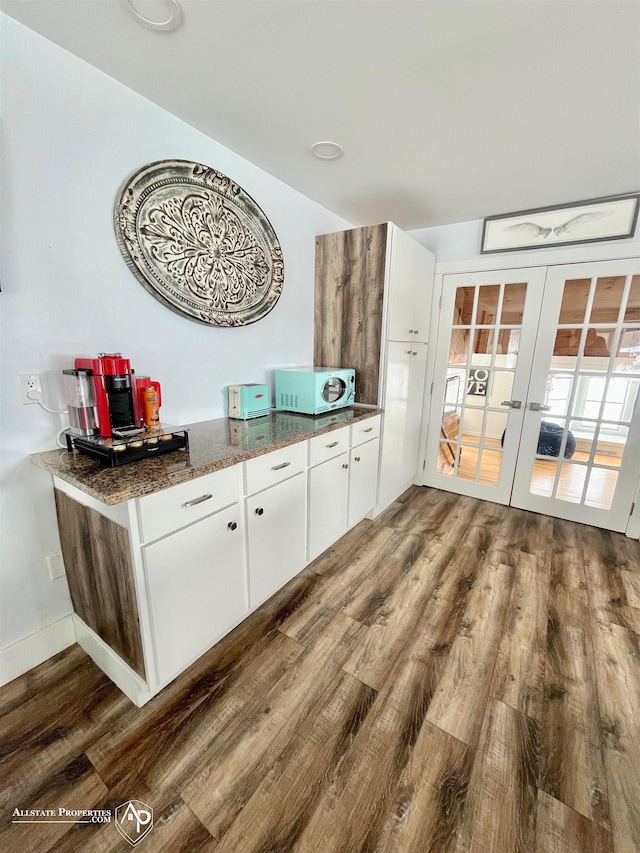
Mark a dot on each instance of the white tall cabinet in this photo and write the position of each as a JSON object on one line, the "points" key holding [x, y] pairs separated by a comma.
{"points": [[402, 401], [372, 304]]}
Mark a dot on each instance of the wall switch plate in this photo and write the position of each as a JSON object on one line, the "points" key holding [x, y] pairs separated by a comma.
{"points": [[56, 566], [28, 382]]}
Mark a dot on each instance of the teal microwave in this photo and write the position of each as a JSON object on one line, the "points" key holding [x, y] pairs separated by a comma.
{"points": [[315, 390]]}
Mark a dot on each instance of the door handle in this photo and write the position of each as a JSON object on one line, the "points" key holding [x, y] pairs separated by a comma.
{"points": [[513, 404], [538, 407]]}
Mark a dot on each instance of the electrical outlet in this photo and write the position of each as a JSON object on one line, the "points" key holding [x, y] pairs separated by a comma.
{"points": [[55, 565], [28, 382]]}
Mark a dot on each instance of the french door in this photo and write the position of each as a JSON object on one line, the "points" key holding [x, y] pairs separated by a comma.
{"points": [[535, 390]]}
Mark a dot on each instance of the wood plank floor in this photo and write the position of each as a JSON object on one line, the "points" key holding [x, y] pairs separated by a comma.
{"points": [[453, 677]]}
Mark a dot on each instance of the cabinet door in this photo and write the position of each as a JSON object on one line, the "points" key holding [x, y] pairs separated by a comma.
{"points": [[395, 403], [410, 284], [411, 445], [328, 487], [363, 480], [197, 588], [277, 537], [404, 391]]}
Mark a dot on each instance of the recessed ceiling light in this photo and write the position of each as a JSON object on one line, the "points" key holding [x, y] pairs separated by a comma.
{"points": [[326, 150], [172, 13]]}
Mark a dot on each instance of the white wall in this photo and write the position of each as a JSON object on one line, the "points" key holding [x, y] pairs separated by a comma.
{"points": [[456, 242], [72, 135], [462, 240]]}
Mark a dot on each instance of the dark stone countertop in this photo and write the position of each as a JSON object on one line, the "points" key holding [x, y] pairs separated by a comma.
{"points": [[213, 445]]}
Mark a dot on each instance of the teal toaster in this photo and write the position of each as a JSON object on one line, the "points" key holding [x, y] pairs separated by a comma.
{"points": [[248, 401]]}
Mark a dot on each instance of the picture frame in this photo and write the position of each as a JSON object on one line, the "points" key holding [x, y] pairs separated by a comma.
{"points": [[611, 218]]}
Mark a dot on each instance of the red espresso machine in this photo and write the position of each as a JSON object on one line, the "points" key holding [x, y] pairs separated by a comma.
{"points": [[114, 389], [107, 412]]}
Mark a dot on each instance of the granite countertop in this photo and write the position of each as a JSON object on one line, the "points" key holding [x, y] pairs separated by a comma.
{"points": [[213, 445]]}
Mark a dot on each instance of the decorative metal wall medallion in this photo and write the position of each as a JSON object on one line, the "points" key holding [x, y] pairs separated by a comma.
{"points": [[199, 243]]}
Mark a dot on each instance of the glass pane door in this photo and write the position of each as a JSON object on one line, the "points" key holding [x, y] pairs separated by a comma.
{"points": [[484, 351], [580, 451]]}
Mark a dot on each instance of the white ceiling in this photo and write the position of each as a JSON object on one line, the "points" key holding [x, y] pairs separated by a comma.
{"points": [[447, 111]]}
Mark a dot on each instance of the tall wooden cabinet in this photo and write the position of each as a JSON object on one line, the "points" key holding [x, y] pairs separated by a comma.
{"points": [[372, 298]]}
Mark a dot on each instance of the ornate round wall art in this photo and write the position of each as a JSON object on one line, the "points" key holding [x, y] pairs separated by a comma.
{"points": [[199, 243]]}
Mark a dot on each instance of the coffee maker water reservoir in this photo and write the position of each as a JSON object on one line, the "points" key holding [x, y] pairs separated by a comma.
{"points": [[81, 401]]}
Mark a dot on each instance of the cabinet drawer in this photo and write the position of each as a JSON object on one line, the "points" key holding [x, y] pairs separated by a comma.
{"points": [[178, 506], [365, 430], [328, 445], [265, 471]]}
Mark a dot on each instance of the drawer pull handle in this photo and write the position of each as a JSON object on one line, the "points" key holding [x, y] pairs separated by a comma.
{"points": [[281, 466], [369, 429], [357, 458], [199, 500], [259, 510], [232, 525], [333, 444], [344, 465]]}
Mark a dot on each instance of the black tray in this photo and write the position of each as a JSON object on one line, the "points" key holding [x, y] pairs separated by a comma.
{"points": [[113, 452]]}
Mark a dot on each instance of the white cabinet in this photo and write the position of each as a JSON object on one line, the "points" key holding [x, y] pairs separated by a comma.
{"points": [[363, 480], [328, 492], [196, 582], [343, 489], [276, 536], [402, 403], [204, 553], [410, 270]]}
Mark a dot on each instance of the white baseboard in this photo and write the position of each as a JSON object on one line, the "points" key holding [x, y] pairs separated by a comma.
{"points": [[111, 664], [22, 656]]}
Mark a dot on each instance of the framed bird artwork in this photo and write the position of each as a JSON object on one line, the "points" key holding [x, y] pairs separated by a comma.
{"points": [[611, 218]]}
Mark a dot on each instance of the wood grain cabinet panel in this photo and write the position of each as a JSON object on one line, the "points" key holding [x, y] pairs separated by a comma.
{"points": [[350, 274], [97, 559]]}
